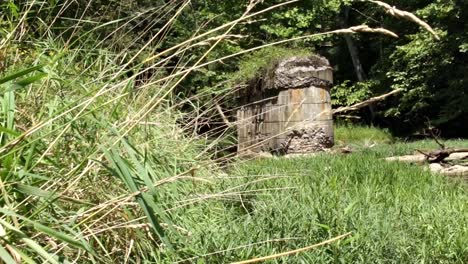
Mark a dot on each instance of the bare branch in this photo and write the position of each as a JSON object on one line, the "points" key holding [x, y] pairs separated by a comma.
{"points": [[366, 29], [366, 103], [393, 11]]}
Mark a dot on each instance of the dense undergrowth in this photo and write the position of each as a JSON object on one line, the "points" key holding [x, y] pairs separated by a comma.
{"points": [[76, 142]]}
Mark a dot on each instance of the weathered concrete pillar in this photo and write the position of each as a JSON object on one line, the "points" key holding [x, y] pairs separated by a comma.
{"points": [[287, 108]]}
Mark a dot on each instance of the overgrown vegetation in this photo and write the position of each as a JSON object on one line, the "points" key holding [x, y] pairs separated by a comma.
{"points": [[109, 146], [263, 59]]}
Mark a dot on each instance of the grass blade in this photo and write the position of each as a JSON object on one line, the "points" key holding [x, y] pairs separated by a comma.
{"points": [[47, 230], [32, 79], [40, 250], [20, 74], [62, 237], [123, 170]]}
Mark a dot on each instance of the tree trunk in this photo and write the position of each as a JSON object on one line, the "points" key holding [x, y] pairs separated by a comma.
{"points": [[354, 53]]}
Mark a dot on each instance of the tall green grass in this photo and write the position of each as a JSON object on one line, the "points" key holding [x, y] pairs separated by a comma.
{"points": [[83, 152], [359, 134], [397, 213]]}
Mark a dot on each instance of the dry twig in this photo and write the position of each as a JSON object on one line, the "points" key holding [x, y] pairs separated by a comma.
{"points": [[438, 156], [292, 252], [239, 247], [393, 11]]}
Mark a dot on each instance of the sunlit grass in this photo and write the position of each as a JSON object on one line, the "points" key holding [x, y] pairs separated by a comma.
{"points": [[397, 212], [360, 134]]}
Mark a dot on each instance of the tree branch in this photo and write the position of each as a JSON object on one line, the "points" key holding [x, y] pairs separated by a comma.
{"points": [[365, 103]]}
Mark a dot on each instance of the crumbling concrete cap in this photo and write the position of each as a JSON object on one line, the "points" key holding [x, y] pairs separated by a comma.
{"points": [[298, 72]]}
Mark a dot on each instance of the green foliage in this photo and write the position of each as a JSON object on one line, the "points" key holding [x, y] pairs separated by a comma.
{"points": [[295, 22], [10, 9], [56, 118], [346, 93], [431, 71], [17, 180], [262, 60], [135, 174], [307, 17]]}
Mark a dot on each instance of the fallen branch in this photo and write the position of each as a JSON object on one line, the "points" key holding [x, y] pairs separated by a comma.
{"points": [[438, 156], [439, 161], [292, 252], [441, 145], [365, 103], [421, 158]]}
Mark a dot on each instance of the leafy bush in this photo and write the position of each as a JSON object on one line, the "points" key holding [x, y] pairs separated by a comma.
{"points": [[346, 93]]}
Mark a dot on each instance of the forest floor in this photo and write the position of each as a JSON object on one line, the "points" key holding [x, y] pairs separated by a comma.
{"points": [[396, 212]]}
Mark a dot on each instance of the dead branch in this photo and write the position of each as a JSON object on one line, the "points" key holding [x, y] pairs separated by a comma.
{"points": [[441, 145], [365, 29], [393, 11], [365, 103], [438, 156], [436, 139], [445, 166], [422, 157]]}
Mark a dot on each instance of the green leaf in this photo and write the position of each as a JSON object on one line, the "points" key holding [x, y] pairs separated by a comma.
{"points": [[32, 190], [9, 131], [20, 74], [123, 169], [326, 227], [40, 250], [32, 79], [46, 230], [62, 236]]}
